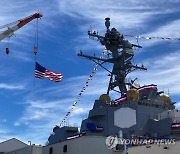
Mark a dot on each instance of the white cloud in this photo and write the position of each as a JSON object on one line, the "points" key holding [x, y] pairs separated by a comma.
{"points": [[163, 71], [98, 10], [2, 131], [169, 30], [11, 86], [129, 14], [79, 111], [4, 120], [177, 105], [40, 110], [129, 17]]}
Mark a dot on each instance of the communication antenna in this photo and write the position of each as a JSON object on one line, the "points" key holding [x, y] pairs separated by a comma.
{"points": [[121, 56]]}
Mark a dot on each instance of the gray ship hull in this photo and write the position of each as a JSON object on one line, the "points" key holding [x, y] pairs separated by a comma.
{"points": [[97, 145], [156, 149], [82, 145]]}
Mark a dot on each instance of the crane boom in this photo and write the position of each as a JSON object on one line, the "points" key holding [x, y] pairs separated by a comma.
{"points": [[10, 31]]}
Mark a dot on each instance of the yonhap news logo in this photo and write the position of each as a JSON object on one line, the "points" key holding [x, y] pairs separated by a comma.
{"points": [[112, 141]]}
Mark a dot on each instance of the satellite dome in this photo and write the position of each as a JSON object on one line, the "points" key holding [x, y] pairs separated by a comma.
{"points": [[106, 98], [166, 98], [132, 94]]}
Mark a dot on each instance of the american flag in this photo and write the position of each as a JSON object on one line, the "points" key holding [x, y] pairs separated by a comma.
{"points": [[42, 72]]}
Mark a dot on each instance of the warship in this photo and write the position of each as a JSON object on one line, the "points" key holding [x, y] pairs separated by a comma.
{"points": [[142, 120]]}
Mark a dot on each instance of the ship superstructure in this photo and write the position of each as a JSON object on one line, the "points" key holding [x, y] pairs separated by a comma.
{"points": [[140, 112]]}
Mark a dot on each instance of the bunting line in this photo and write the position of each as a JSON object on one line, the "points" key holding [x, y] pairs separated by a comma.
{"points": [[80, 94], [146, 87], [104, 54], [153, 37]]}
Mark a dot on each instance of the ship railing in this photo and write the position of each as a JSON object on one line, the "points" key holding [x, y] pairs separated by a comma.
{"points": [[165, 115], [66, 124]]}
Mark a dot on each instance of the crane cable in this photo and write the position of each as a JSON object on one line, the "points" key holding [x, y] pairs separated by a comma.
{"points": [[36, 46], [36, 39]]}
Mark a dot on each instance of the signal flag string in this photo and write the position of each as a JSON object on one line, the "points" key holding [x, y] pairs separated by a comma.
{"points": [[104, 53], [153, 37], [80, 94]]}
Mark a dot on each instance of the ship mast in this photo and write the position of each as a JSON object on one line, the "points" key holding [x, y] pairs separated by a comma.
{"points": [[121, 55]]}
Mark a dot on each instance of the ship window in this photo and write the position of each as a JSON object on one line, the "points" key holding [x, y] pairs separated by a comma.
{"points": [[65, 148], [51, 150], [139, 103]]}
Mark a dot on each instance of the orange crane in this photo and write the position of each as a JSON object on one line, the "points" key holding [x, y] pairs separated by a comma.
{"points": [[12, 27]]}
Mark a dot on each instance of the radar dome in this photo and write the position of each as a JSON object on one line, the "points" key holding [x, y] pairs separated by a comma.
{"points": [[132, 94], [106, 98], [166, 98]]}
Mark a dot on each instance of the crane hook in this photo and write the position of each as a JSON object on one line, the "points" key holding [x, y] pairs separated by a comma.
{"points": [[7, 51]]}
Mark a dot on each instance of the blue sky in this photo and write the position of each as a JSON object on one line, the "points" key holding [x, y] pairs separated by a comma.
{"points": [[30, 112]]}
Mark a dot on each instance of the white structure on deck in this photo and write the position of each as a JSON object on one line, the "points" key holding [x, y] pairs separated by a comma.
{"points": [[11, 145], [14, 146]]}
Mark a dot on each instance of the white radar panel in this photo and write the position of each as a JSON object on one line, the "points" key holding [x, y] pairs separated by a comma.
{"points": [[125, 117]]}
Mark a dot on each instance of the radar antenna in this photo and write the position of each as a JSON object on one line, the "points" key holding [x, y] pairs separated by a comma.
{"points": [[122, 54]]}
